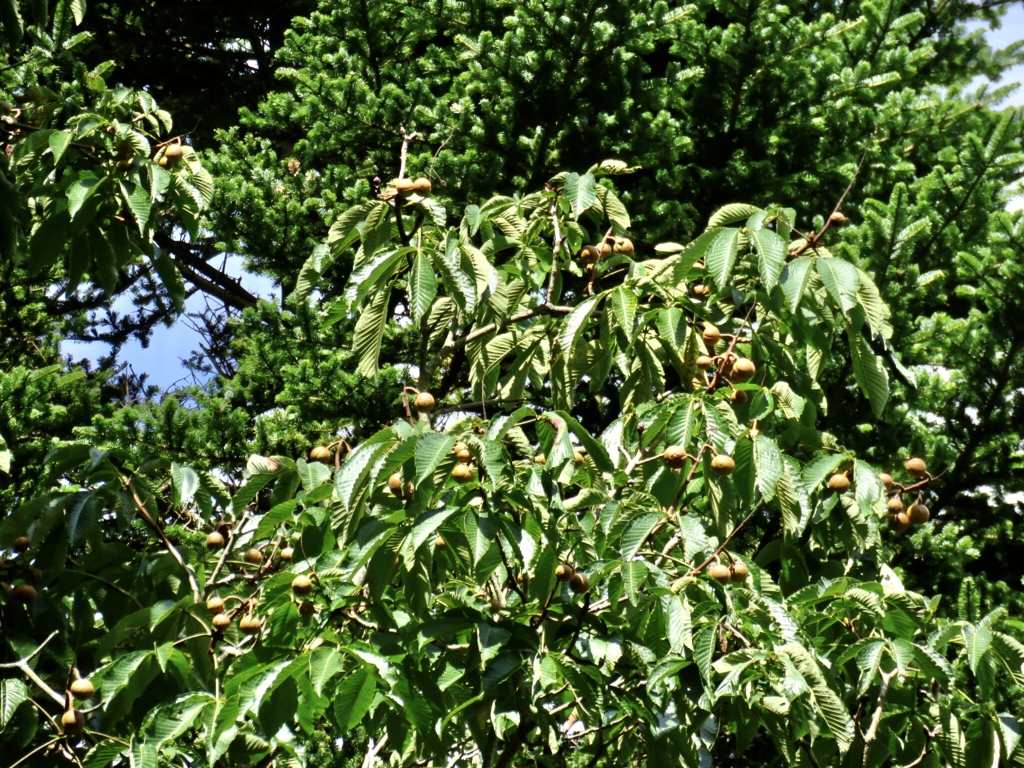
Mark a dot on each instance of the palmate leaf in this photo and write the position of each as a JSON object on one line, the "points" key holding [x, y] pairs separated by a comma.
{"points": [[369, 332], [354, 698], [12, 693], [771, 256], [575, 322], [721, 255], [869, 372], [977, 641], [581, 192], [613, 209], [374, 275], [732, 213], [842, 281], [825, 700]]}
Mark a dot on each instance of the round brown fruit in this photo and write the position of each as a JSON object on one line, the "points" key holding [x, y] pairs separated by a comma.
{"points": [[424, 402], [739, 570], [287, 553], [173, 153], [624, 245], [589, 255], [579, 583], [307, 609], [675, 456], [577, 457], [606, 248], [395, 484], [320, 453], [422, 186], [723, 465], [163, 162], [738, 397], [465, 455], [222, 621], [919, 514], [743, 370], [886, 479], [895, 504], [25, 593], [215, 605], [720, 573], [540, 458], [700, 289], [460, 446], [301, 585], [462, 473], [82, 689], [253, 556], [916, 468], [22, 543], [215, 540], [704, 362], [72, 722], [839, 482], [899, 521], [837, 218], [250, 624], [711, 334], [564, 572], [440, 543], [405, 187]]}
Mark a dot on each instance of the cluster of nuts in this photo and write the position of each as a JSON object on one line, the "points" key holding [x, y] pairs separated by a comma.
{"points": [[901, 517], [578, 582], [589, 255], [731, 369], [723, 574], [25, 591], [675, 456]]}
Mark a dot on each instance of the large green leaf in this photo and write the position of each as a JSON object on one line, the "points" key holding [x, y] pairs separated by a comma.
{"points": [[369, 333], [721, 255], [771, 256], [12, 693], [581, 192], [825, 700], [841, 280], [869, 372]]}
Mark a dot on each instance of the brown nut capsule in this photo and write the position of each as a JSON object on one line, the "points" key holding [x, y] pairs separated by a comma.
{"points": [[895, 504], [82, 688], [320, 453], [301, 585], [589, 255], [422, 186], [22, 543], [462, 473], [564, 572], [578, 458], [624, 246], [173, 153], [253, 556], [674, 456], [395, 484], [919, 514], [424, 402], [886, 479], [723, 465], [307, 609], [839, 482], [215, 540], [579, 583], [739, 570], [440, 543], [899, 521], [24, 593], [221, 621], [250, 624], [215, 605], [916, 468], [465, 455], [700, 289], [540, 458], [287, 553], [405, 187], [704, 362], [73, 722], [837, 219], [738, 397], [743, 370], [720, 573], [711, 334]]}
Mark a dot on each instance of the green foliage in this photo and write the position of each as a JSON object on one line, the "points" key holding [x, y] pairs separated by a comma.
{"points": [[580, 335], [435, 620]]}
